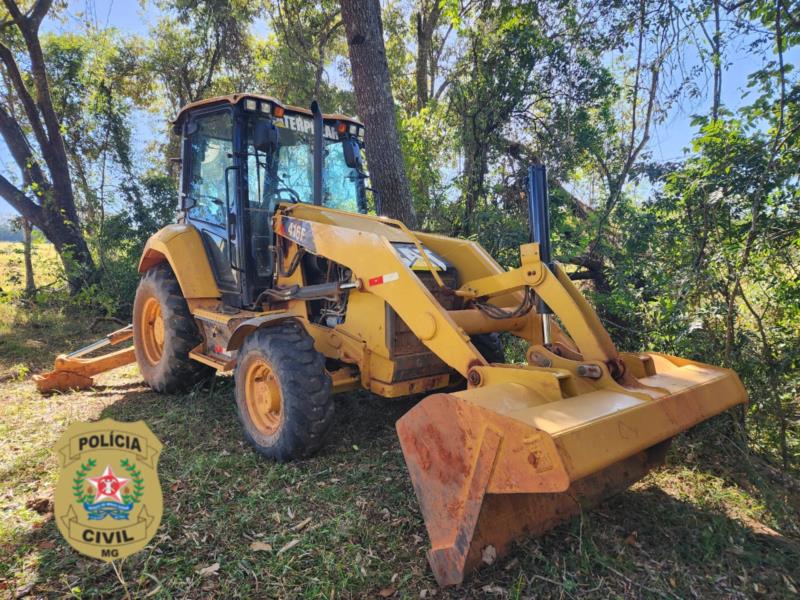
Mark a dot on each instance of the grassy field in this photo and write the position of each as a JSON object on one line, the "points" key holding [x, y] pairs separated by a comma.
{"points": [[345, 523]]}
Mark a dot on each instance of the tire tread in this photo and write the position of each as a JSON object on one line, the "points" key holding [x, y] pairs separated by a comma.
{"points": [[305, 387]]}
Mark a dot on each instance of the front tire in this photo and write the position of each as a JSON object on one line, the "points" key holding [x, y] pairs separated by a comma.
{"points": [[283, 392], [164, 333]]}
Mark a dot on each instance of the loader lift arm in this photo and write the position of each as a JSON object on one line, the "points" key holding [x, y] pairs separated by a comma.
{"points": [[557, 290], [71, 371], [527, 446]]}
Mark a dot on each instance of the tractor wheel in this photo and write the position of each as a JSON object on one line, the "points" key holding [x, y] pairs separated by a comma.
{"points": [[490, 346], [283, 392], [164, 333]]}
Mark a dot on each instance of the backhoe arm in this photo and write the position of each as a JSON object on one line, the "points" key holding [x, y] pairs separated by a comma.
{"points": [[71, 371]]}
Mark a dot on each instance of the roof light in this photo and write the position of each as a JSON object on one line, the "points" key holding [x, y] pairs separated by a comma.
{"points": [[341, 127], [265, 107], [250, 104], [278, 111], [353, 129]]}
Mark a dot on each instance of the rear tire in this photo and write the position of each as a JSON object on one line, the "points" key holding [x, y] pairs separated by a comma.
{"points": [[164, 333], [283, 392], [490, 346]]}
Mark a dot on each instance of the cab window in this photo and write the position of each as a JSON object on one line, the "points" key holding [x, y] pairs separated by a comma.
{"points": [[210, 155]]}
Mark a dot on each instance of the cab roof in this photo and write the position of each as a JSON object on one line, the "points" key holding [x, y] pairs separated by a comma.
{"points": [[233, 99]]}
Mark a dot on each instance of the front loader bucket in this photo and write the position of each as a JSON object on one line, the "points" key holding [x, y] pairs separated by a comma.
{"points": [[523, 452]]}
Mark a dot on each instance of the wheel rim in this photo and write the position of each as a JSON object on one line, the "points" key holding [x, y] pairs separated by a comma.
{"points": [[152, 330], [263, 397]]}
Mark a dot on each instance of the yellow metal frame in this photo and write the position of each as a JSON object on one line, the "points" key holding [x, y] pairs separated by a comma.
{"points": [[180, 245], [362, 243]]}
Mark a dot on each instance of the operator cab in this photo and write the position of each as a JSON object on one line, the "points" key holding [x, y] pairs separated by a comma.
{"points": [[243, 155]]}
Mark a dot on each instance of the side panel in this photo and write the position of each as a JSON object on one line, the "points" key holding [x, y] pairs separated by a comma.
{"points": [[180, 245]]}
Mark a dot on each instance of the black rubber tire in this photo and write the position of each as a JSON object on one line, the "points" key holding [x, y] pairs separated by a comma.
{"points": [[174, 371], [490, 346], [305, 386]]}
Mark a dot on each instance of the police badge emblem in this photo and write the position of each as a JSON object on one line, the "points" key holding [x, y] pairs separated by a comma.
{"points": [[108, 501]]}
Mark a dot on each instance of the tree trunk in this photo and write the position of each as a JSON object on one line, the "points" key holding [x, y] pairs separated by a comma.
{"points": [[364, 29], [423, 52], [30, 285], [427, 21], [72, 248], [717, 59], [52, 209], [475, 166]]}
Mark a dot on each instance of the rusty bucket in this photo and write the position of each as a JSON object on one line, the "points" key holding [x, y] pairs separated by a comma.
{"points": [[529, 447]]}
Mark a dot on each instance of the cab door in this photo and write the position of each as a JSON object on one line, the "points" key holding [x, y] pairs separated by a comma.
{"points": [[210, 194]]}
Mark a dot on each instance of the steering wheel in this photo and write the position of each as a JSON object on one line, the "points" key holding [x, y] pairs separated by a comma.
{"points": [[294, 196]]}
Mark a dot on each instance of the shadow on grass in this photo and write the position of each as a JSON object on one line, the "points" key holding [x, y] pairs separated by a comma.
{"points": [[360, 417], [711, 448]]}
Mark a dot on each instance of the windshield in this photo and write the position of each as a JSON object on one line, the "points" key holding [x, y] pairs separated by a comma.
{"points": [[288, 175]]}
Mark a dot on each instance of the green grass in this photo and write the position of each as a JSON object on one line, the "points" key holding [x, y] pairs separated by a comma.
{"points": [[707, 525]]}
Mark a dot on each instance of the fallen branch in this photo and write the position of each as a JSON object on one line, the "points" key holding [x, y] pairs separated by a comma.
{"points": [[636, 583]]}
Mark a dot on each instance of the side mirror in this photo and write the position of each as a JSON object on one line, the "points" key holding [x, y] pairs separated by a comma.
{"points": [[265, 136], [352, 154]]}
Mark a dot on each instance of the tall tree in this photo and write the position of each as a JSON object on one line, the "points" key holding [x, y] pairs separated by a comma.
{"points": [[427, 20], [200, 49], [195, 42], [529, 73], [364, 30], [308, 30], [31, 128], [97, 81]]}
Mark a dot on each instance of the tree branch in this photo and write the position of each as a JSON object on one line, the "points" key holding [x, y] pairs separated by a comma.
{"points": [[20, 149], [15, 12], [39, 10], [28, 103], [21, 203], [44, 99]]}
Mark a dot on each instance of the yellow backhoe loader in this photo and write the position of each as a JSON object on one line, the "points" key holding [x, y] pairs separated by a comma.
{"points": [[277, 271]]}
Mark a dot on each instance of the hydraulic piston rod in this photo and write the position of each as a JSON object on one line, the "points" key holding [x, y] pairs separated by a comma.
{"points": [[539, 217]]}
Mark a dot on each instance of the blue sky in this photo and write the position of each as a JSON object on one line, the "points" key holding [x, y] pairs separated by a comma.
{"points": [[667, 142]]}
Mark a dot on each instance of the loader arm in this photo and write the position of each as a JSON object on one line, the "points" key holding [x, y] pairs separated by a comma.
{"points": [[377, 265], [558, 291]]}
